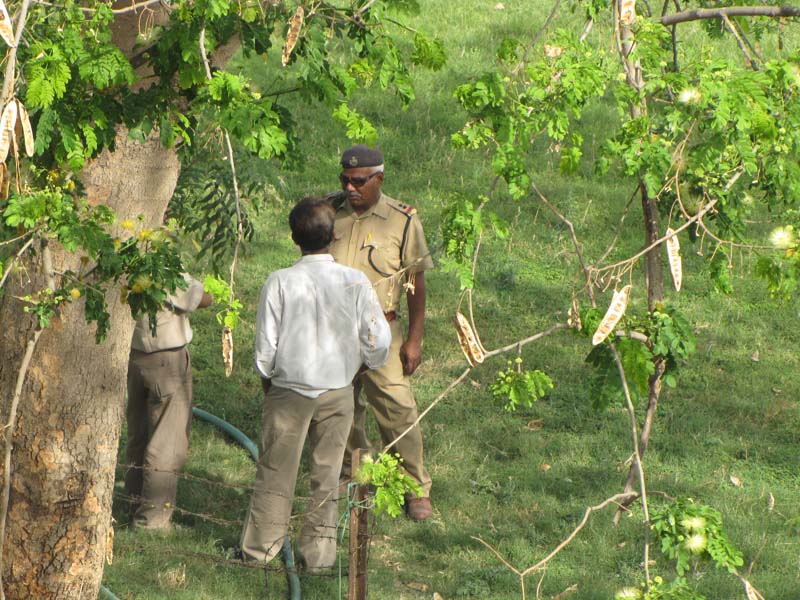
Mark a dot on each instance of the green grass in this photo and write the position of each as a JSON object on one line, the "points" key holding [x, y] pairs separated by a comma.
{"points": [[729, 416]]}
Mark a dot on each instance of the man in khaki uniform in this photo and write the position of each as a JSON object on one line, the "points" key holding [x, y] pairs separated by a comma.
{"points": [[383, 238], [159, 409]]}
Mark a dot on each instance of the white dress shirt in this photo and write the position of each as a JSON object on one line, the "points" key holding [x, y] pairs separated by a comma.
{"points": [[317, 323]]}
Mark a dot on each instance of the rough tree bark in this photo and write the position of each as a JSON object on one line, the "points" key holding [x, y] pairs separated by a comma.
{"points": [[71, 409]]}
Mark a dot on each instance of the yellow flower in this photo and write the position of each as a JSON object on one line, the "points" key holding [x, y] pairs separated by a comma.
{"points": [[145, 234], [74, 293], [127, 224]]}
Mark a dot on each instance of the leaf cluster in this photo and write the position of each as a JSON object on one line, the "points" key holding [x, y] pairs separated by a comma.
{"points": [[515, 387], [390, 483], [463, 224], [691, 533]]}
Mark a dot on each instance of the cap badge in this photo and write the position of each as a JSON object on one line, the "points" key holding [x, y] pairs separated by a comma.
{"points": [[353, 161]]}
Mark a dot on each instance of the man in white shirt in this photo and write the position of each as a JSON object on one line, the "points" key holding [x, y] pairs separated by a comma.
{"points": [[318, 324]]}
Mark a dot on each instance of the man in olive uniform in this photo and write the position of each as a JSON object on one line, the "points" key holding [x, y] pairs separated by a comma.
{"points": [[159, 409], [383, 238]]}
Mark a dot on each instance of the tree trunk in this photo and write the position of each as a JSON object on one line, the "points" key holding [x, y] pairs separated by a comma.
{"points": [[71, 407]]}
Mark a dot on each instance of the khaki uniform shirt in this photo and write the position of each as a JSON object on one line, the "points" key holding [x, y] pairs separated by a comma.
{"points": [[173, 329], [385, 242]]}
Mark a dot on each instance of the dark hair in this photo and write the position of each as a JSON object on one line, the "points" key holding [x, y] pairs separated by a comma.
{"points": [[311, 222]]}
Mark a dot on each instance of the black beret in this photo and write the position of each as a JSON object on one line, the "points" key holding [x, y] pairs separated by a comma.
{"points": [[361, 156]]}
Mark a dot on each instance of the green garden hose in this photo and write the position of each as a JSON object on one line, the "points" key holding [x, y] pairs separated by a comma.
{"points": [[105, 594], [249, 445]]}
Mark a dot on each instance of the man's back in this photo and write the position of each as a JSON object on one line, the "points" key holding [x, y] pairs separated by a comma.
{"points": [[317, 323]]}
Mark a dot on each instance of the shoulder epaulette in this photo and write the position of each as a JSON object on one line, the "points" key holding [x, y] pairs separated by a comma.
{"points": [[336, 199], [406, 209]]}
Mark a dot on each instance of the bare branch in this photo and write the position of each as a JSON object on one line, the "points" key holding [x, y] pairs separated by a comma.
{"points": [[236, 196], [730, 11], [661, 240], [613, 500], [133, 7], [742, 46], [14, 260], [637, 457], [8, 434], [427, 410], [527, 340], [586, 272], [11, 58]]}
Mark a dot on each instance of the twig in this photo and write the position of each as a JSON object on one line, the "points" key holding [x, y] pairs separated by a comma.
{"points": [[47, 266], [589, 510], [117, 11], [729, 24], [232, 163], [11, 58], [613, 242], [441, 396], [8, 434], [661, 240], [14, 260], [568, 223], [527, 340], [637, 459]]}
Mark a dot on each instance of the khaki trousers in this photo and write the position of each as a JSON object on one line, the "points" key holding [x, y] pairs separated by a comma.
{"points": [[389, 393], [288, 417], [159, 417]]}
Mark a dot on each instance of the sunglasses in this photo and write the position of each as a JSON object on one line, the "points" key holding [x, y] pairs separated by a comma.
{"points": [[356, 182]]}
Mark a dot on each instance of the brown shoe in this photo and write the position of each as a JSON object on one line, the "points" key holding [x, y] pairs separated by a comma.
{"points": [[418, 509]]}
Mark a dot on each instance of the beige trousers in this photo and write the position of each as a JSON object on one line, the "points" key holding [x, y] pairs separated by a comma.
{"points": [[288, 417], [159, 417], [389, 393]]}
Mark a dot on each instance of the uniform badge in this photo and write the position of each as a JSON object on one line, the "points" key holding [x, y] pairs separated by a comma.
{"points": [[353, 161]]}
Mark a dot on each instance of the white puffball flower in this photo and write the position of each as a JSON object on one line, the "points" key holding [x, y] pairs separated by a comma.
{"points": [[694, 523], [696, 543], [628, 593], [689, 96], [782, 237]]}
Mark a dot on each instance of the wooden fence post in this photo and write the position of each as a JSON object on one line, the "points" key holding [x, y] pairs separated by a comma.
{"points": [[359, 536]]}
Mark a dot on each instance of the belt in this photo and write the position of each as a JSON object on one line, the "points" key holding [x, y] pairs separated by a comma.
{"points": [[390, 316]]}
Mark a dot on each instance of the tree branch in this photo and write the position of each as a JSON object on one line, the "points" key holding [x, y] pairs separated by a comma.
{"points": [[730, 11], [522, 574], [637, 457]]}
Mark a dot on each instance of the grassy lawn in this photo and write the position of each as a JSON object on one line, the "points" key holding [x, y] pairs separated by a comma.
{"points": [[520, 485]]}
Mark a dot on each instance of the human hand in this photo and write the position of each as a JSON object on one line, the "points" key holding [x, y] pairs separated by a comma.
{"points": [[410, 356]]}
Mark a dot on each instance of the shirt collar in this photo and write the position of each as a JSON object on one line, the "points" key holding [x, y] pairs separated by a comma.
{"points": [[380, 209], [314, 258]]}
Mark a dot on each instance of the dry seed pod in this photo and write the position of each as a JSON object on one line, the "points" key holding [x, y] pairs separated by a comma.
{"points": [[295, 23], [110, 545], [468, 341], [6, 31], [674, 255], [227, 350], [627, 11], [574, 315], [27, 130], [7, 123], [614, 313], [5, 181]]}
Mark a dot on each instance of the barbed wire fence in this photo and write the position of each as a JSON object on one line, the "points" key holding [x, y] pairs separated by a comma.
{"points": [[355, 496]]}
